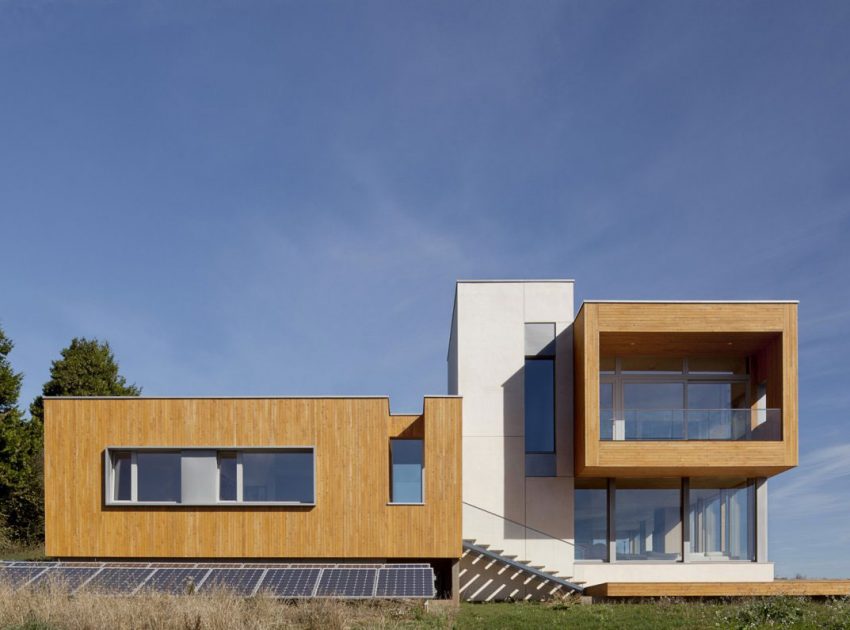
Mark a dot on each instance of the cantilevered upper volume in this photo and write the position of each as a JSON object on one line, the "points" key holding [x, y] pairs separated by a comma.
{"points": [[685, 388]]}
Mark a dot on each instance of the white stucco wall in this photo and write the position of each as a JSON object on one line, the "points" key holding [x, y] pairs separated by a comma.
{"points": [[486, 358], [597, 573]]}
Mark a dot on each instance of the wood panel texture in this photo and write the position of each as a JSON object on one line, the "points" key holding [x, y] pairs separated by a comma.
{"points": [[766, 332], [351, 518], [807, 588]]}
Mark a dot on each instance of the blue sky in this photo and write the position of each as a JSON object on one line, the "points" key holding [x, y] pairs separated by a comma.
{"points": [[273, 197]]}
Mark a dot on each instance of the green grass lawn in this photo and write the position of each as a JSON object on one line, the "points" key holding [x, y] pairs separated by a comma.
{"points": [[778, 612]]}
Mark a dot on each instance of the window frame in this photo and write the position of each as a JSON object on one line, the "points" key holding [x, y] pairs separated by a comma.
{"points": [[619, 379], [390, 488], [109, 499]]}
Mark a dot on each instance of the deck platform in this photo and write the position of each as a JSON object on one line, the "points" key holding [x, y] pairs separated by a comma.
{"points": [[806, 588]]}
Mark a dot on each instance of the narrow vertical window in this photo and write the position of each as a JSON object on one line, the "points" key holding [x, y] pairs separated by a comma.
{"points": [[226, 476], [407, 465], [539, 406], [591, 519], [122, 477]]}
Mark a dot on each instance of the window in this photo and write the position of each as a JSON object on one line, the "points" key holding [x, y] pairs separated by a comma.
{"points": [[122, 476], [158, 476], [648, 521], [539, 406], [406, 461], [721, 517], [285, 477], [227, 480], [539, 400], [591, 519], [668, 398], [198, 476], [653, 411]]}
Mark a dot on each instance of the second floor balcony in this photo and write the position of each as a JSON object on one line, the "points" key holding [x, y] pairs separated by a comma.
{"points": [[685, 389]]}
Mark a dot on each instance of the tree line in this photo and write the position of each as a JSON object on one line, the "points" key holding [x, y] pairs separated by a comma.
{"points": [[87, 367]]}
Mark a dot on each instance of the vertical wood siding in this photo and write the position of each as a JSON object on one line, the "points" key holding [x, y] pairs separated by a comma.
{"points": [[351, 518]]}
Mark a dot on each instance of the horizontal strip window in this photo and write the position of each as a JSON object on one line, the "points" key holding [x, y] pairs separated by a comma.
{"points": [[210, 476]]}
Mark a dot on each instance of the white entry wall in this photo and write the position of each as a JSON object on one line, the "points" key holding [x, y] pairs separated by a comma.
{"points": [[487, 352]]}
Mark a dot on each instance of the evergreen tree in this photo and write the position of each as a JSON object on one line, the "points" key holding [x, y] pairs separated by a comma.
{"points": [[87, 368], [20, 459]]}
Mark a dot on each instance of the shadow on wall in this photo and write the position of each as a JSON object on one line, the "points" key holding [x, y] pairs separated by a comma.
{"points": [[518, 513]]}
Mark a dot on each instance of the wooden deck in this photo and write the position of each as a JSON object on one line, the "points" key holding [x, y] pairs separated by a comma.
{"points": [[808, 588]]}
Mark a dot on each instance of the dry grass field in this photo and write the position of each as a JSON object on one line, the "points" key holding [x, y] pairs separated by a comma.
{"points": [[53, 609]]}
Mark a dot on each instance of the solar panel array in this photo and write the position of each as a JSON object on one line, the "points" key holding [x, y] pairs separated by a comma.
{"points": [[288, 581]]}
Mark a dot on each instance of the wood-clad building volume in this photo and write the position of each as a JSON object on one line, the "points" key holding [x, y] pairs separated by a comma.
{"points": [[351, 518], [762, 334]]}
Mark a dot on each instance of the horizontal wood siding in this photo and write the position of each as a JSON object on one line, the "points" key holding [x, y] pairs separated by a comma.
{"points": [[351, 518]]}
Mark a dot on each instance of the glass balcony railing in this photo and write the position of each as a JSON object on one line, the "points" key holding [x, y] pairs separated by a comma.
{"points": [[761, 425]]}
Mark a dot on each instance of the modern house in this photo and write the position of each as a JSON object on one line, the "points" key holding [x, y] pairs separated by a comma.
{"points": [[631, 442]]}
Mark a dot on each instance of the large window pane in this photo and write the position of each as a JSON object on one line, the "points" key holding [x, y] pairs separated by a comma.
{"points": [[654, 411], [279, 476], [227, 476], [158, 476], [648, 523], [407, 463], [722, 520], [122, 477], [591, 523], [540, 406], [718, 411]]}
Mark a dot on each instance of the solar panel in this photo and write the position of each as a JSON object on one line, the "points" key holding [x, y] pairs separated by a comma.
{"points": [[411, 580], [346, 583], [405, 582], [15, 577], [66, 578], [175, 581], [237, 581], [118, 581], [289, 582]]}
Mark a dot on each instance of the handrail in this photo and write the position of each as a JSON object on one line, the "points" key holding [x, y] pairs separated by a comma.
{"points": [[688, 423], [505, 518]]}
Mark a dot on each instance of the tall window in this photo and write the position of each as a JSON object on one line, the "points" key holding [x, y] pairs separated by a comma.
{"points": [[539, 405], [648, 521], [591, 519], [721, 517], [539, 400], [407, 465], [122, 476], [227, 476]]}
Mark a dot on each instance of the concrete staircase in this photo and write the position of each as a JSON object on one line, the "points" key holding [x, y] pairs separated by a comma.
{"points": [[491, 575]]}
